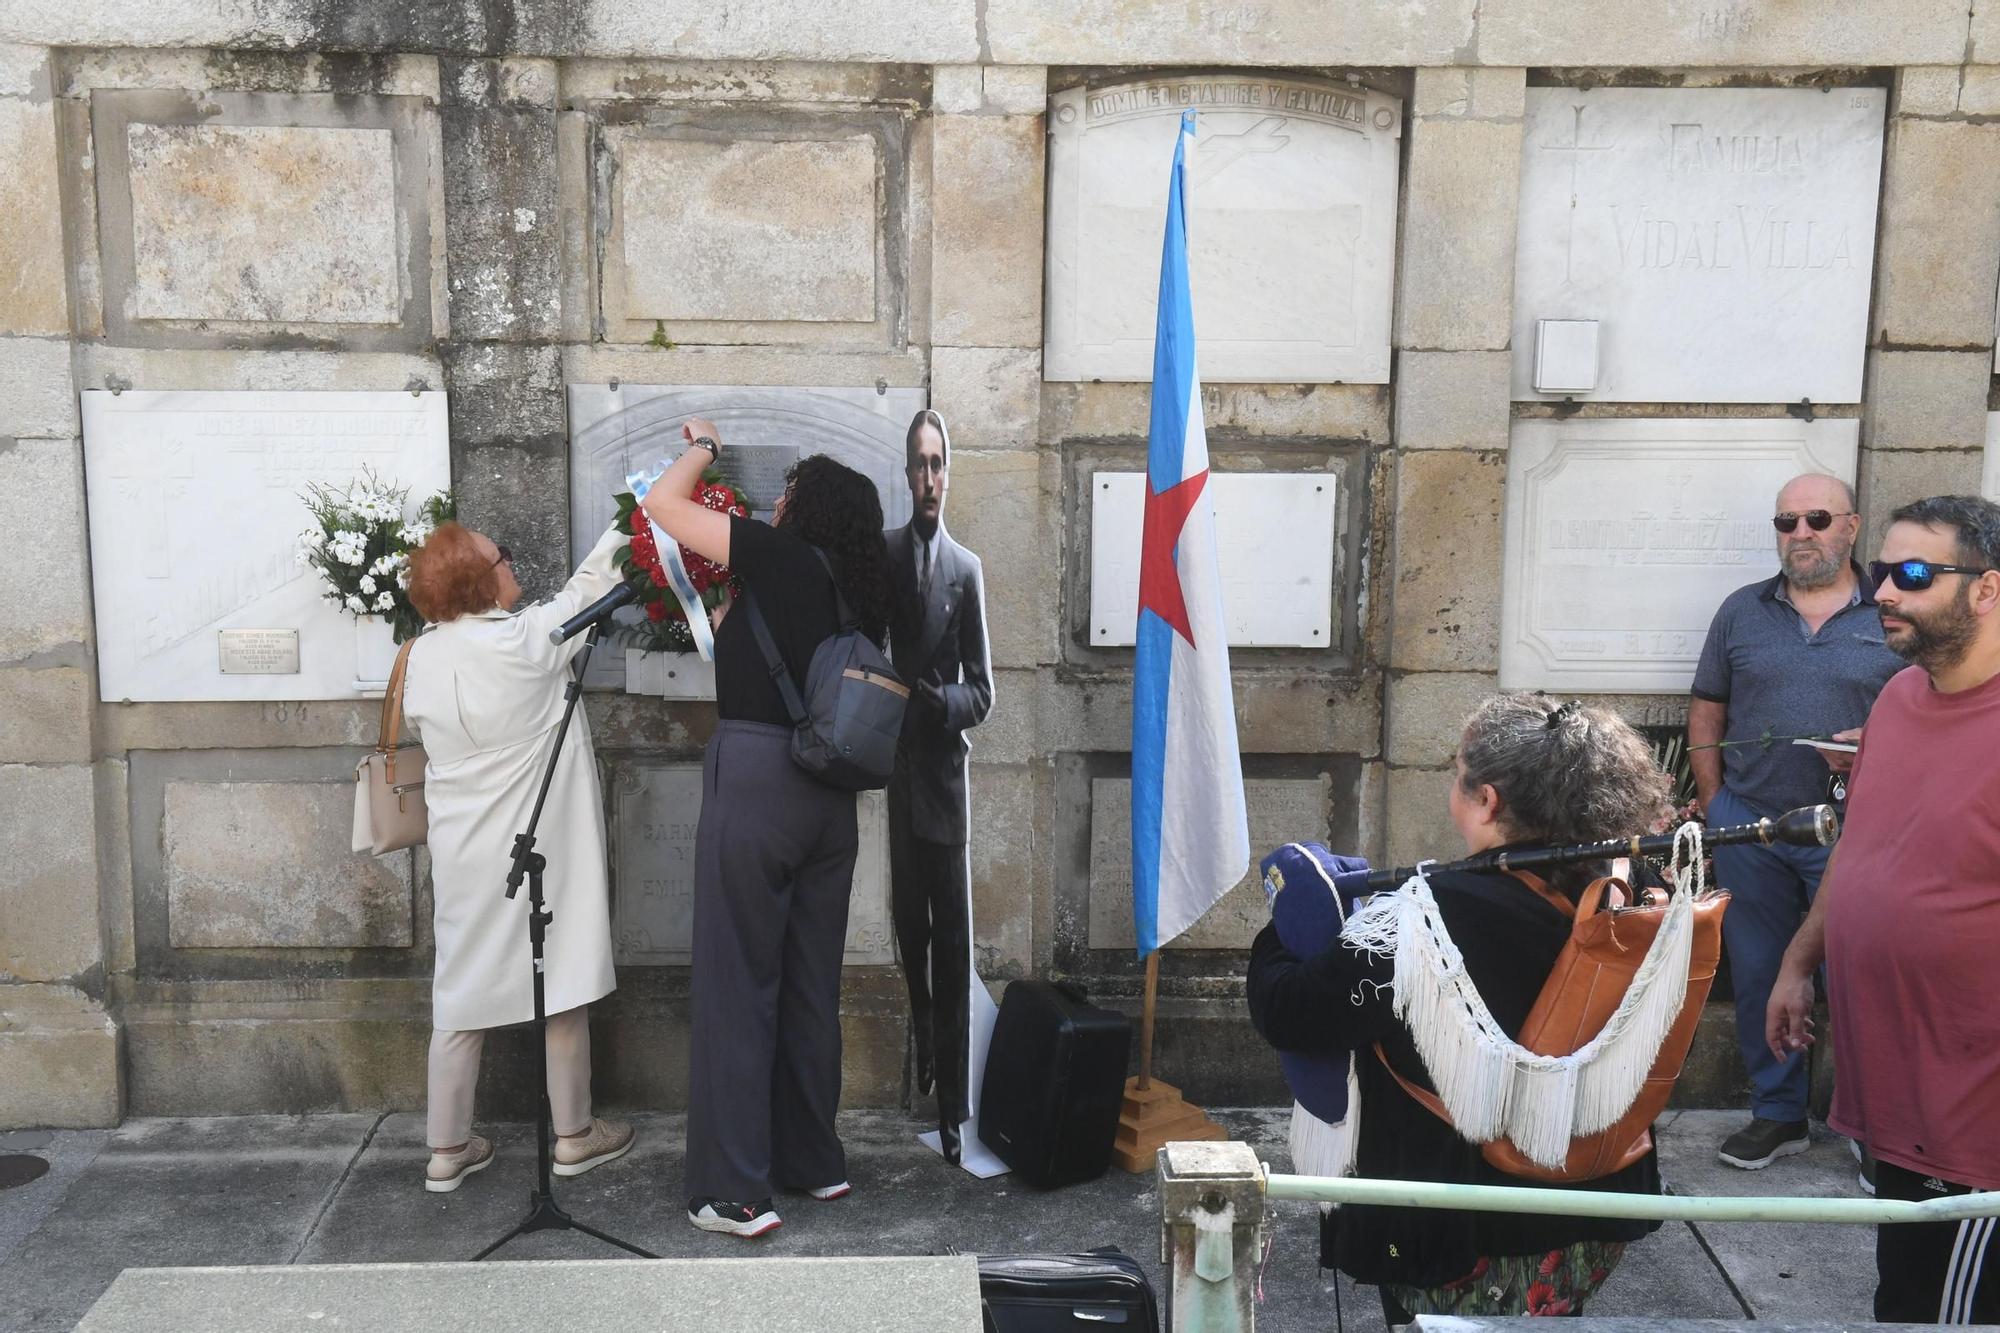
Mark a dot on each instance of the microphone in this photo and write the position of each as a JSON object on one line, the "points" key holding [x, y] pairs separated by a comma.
{"points": [[622, 595]]}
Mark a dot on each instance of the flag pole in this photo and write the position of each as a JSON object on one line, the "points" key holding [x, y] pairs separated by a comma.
{"points": [[1146, 1021]]}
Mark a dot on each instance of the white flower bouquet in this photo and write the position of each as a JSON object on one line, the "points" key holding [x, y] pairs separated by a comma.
{"points": [[360, 542]]}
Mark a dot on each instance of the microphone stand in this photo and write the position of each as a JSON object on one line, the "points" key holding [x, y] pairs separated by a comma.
{"points": [[544, 1213]]}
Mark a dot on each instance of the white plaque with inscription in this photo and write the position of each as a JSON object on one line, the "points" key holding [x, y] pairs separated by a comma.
{"points": [[1724, 237], [1292, 227], [1274, 536], [194, 524], [1623, 537]]}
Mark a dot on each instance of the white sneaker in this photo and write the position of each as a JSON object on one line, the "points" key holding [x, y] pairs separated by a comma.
{"points": [[447, 1171], [827, 1193]]}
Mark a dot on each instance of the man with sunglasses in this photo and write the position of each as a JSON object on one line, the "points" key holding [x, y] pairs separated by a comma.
{"points": [[1798, 654], [1908, 922]]}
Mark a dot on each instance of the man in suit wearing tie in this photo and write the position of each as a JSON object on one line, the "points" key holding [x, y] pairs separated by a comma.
{"points": [[937, 643]]}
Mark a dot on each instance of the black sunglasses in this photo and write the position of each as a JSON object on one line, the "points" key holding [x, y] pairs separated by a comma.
{"points": [[1819, 520], [506, 556], [1915, 575]]}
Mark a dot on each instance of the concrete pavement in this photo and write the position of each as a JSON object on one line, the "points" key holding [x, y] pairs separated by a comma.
{"points": [[345, 1189]]}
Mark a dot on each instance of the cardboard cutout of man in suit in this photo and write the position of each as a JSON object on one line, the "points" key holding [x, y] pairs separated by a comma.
{"points": [[937, 643]]}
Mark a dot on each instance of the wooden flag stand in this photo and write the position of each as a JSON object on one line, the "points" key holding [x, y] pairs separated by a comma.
{"points": [[1153, 1113]]}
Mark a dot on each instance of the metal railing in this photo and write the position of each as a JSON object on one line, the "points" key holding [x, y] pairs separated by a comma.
{"points": [[1213, 1196]]}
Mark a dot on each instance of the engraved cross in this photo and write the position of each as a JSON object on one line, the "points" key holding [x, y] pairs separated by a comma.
{"points": [[1576, 147]]}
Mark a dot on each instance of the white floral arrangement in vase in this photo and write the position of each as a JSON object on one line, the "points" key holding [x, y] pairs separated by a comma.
{"points": [[360, 544]]}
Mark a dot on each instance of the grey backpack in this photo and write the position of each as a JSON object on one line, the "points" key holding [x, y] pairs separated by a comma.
{"points": [[844, 731]]}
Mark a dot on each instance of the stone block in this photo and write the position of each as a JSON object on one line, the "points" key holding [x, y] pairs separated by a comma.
{"points": [[33, 299], [1008, 736], [1891, 478], [990, 396], [1452, 400], [264, 224], [24, 71], [1468, 92], [986, 231], [45, 715], [1371, 796], [1940, 235], [1979, 90], [44, 576], [1459, 209], [1419, 819], [1281, 810], [1448, 559], [1358, 412], [1291, 33], [1427, 712], [1927, 90], [912, 31], [1725, 33], [957, 88], [1277, 712], [1928, 400], [266, 865], [105, 367], [49, 918], [997, 510], [1015, 90], [59, 1066], [750, 229], [1006, 854], [516, 494], [37, 396], [507, 394], [503, 225]]}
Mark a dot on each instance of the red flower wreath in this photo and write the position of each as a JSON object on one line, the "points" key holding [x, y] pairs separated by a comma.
{"points": [[667, 629]]}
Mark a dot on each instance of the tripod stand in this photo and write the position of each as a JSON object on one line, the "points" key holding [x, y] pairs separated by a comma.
{"points": [[544, 1213]]}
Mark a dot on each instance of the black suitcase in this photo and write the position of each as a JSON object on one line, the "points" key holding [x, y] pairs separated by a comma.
{"points": [[1042, 1293], [1055, 1074]]}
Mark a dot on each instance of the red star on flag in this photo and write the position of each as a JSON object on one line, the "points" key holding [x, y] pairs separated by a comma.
{"points": [[1159, 576]]}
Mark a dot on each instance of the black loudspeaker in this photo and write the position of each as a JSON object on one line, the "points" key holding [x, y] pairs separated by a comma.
{"points": [[1055, 1075]]}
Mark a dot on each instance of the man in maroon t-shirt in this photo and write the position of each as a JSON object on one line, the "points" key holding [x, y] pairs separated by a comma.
{"points": [[1908, 917]]}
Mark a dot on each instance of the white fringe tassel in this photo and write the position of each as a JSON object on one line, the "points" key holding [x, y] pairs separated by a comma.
{"points": [[1322, 1149], [1496, 1088]]}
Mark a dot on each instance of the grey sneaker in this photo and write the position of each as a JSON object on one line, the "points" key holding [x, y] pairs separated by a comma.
{"points": [[604, 1141], [448, 1170], [1762, 1142]]}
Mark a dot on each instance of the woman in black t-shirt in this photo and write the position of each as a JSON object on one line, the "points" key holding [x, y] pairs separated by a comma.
{"points": [[774, 851], [1528, 772]]}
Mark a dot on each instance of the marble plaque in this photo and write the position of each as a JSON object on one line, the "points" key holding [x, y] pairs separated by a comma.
{"points": [[1274, 531], [1989, 475], [264, 223], [1724, 237], [616, 431], [749, 229], [269, 865], [194, 523], [1623, 537], [1292, 227], [655, 810], [1281, 810]]}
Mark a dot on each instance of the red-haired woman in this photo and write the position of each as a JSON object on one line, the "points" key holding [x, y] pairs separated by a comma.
{"points": [[484, 687]]}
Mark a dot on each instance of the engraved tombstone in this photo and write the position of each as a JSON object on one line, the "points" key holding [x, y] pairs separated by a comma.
{"points": [[1723, 237], [195, 517], [655, 809], [615, 431], [1292, 227], [1623, 537]]}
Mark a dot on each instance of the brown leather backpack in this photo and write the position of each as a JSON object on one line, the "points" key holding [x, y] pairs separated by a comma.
{"points": [[1604, 950]]}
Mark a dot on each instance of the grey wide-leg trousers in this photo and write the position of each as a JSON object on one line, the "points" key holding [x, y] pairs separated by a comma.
{"points": [[774, 868]]}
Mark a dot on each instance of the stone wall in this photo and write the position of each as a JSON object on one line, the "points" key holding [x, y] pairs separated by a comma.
{"points": [[535, 193]]}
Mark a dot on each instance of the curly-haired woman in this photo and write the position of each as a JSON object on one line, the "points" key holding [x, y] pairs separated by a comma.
{"points": [[774, 852], [1529, 771], [484, 687]]}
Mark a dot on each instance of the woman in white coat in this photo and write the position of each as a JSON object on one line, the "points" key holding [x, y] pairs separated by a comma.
{"points": [[484, 687]]}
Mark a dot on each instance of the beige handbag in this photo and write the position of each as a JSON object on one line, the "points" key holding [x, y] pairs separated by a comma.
{"points": [[389, 810]]}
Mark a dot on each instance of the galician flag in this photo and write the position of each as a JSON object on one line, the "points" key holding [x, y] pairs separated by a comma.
{"points": [[1190, 834]]}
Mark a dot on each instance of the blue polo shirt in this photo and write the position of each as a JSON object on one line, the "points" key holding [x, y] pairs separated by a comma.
{"points": [[1775, 677]]}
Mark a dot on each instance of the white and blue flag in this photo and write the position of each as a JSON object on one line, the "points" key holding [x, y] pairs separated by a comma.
{"points": [[1190, 833]]}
